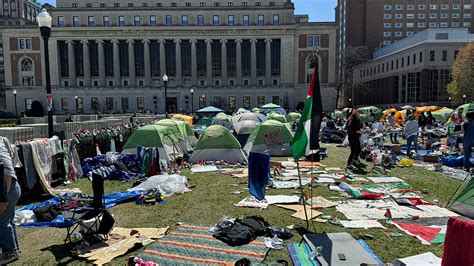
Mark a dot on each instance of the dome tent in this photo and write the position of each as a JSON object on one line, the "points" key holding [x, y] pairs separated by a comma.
{"points": [[217, 143], [270, 136], [180, 127]]}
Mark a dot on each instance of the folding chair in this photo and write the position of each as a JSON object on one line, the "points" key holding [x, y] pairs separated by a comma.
{"points": [[94, 219]]}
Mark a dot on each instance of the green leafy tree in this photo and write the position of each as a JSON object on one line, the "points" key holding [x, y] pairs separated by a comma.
{"points": [[462, 73]]}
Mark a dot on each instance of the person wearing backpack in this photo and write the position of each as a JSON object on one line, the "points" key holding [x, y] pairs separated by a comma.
{"points": [[468, 142]]}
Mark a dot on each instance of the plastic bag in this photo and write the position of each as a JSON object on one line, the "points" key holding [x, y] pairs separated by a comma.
{"points": [[167, 185], [280, 232]]}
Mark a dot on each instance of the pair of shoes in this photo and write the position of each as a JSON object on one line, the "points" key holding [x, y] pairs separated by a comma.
{"points": [[351, 167], [9, 257]]}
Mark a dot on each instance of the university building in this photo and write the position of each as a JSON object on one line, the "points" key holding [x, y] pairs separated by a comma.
{"points": [[412, 71], [111, 56]]}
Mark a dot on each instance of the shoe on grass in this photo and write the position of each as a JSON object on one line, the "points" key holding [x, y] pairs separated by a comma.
{"points": [[9, 257]]}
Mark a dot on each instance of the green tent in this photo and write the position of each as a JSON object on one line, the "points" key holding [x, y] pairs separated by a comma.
{"points": [[338, 114], [241, 111], [166, 139], [466, 107], [217, 143], [223, 120], [442, 115], [187, 132], [464, 203], [204, 121], [293, 117], [375, 110], [277, 117], [270, 136], [256, 110]]}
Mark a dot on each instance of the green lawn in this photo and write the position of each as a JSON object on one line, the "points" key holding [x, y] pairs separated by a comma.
{"points": [[211, 200]]}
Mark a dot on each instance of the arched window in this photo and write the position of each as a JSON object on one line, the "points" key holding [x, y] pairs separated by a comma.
{"points": [[5, 6], [310, 64], [27, 72], [12, 6]]}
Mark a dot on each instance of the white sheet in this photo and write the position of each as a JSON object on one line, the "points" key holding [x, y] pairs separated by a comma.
{"points": [[277, 199], [383, 179]]}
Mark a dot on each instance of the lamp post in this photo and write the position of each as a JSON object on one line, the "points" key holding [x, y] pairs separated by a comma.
{"points": [[192, 100], [203, 100], [464, 98], [44, 23], [449, 100], [75, 100], [350, 102], [16, 106], [165, 80]]}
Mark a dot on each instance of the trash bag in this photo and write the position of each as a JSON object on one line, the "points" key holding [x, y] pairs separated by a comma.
{"points": [[405, 162], [167, 185], [452, 160], [280, 232]]}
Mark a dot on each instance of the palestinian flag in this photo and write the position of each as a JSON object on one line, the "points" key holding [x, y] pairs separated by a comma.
{"points": [[306, 140]]}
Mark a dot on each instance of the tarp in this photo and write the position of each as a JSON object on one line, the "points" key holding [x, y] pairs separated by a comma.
{"points": [[464, 203], [110, 201], [217, 143], [270, 137], [408, 107], [185, 118], [210, 109]]}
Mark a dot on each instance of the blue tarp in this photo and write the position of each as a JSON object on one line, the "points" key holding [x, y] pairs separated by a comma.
{"points": [[110, 201], [452, 160]]}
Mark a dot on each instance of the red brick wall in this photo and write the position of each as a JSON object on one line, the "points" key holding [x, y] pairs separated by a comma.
{"points": [[15, 58]]}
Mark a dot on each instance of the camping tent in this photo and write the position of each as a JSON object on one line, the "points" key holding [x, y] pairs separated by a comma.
{"points": [[187, 132], [408, 107], [256, 110], [245, 127], [249, 117], [270, 136], [204, 121], [464, 203], [241, 111], [466, 107], [442, 115], [223, 120], [217, 143], [184, 130], [277, 117], [185, 118], [293, 117], [166, 139], [210, 109], [399, 115], [377, 112], [271, 107]]}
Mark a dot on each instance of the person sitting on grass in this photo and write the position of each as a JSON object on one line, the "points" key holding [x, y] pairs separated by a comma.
{"points": [[468, 141], [411, 133]]}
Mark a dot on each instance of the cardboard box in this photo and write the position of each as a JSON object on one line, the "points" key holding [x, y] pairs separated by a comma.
{"points": [[431, 158]]}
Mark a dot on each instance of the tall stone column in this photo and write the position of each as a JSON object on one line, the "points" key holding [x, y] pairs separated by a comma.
{"points": [[209, 62], [162, 58], [116, 63], [146, 54], [71, 62], [268, 61], [224, 62], [100, 48], [238, 64], [193, 62], [179, 69], [87, 63], [253, 60], [132, 77]]}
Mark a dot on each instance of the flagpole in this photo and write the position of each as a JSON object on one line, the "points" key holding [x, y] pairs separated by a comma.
{"points": [[302, 194]]}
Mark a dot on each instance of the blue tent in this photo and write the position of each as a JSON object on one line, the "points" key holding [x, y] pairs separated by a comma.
{"points": [[209, 109]]}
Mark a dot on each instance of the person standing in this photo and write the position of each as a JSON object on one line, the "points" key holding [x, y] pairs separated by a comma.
{"points": [[354, 127], [457, 120], [430, 120], [411, 133], [9, 195], [468, 142], [392, 122]]}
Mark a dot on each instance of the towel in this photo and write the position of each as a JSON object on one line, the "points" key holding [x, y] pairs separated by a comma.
{"points": [[259, 174]]}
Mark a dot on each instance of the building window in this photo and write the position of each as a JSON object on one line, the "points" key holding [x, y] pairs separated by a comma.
{"points": [[387, 34], [409, 25], [455, 15], [433, 7], [159, 4], [398, 33], [260, 100], [444, 55], [152, 20], [217, 101], [276, 19], [27, 73], [275, 57], [75, 21], [230, 20], [25, 44], [217, 4], [313, 41], [102, 5], [188, 4], [88, 5], [421, 7], [466, 24], [420, 57], [216, 59], [433, 15], [105, 21], [433, 24], [410, 16], [258, 3], [398, 25], [403, 61], [74, 5], [385, 43], [421, 24], [399, 7], [467, 15], [467, 6], [421, 16], [232, 102], [260, 57], [94, 103], [387, 16], [387, 25], [130, 5], [410, 7], [261, 20], [116, 4], [444, 7], [443, 24], [121, 21], [413, 87], [246, 102], [399, 16], [140, 103], [387, 7], [124, 103], [184, 20], [455, 24], [144, 4], [202, 101], [444, 15], [456, 6], [245, 20], [200, 20], [136, 21], [169, 20], [215, 20], [202, 4], [409, 33], [432, 55], [170, 58], [109, 103], [244, 3], [60, 21]]}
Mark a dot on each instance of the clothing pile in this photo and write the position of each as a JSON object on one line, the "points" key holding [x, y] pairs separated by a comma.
{"points": [[113, 166]]}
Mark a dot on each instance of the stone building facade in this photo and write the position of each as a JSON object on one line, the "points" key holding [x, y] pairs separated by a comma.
{"points": [[111, 56]]}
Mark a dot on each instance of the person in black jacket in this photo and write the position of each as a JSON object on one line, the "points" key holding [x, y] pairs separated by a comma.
{"points": [[353, 127]]}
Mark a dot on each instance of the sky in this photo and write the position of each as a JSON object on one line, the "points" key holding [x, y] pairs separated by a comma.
{"points": [[318, 10]]}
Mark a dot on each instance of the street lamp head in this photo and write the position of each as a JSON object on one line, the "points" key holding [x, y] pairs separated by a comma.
{"points": [[203, 96], [350, 99], [75, 97], [464, 96], [449, 98], [165, 78], [191, 91], [44, 19], [14, 92]]}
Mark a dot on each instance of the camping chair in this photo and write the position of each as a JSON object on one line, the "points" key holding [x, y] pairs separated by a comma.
{"points": [[93, 219]]}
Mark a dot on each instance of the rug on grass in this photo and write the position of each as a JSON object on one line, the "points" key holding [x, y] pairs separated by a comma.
{"points": [[299, 254], [194, 244]]}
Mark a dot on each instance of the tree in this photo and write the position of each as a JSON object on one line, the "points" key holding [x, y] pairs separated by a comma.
{"points": [[352, 56], [462, 73]]}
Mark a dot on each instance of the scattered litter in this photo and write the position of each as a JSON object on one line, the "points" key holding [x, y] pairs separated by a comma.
{"points": [[334, 169], [203, 168], [291, 226], [427, 258], [273, 242], [385, 179], [282, 199], [167, 185], [252, 202], [319, 220], [393, 234], [290, 184], [364, 224], [236, 192], [288, 164], [320, 202], [323, 180]]}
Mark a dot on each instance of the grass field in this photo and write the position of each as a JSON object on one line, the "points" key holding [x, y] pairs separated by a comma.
{"points": [[211, 200]]}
